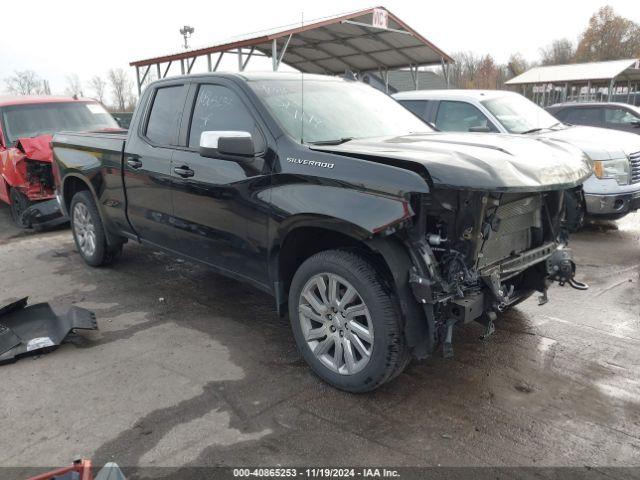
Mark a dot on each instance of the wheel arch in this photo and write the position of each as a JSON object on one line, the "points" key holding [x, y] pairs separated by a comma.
{"points": [[306, 235], [74, 183]]}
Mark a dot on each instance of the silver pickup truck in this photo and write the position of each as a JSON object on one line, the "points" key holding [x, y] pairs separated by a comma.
{"points": [[610, 193]]}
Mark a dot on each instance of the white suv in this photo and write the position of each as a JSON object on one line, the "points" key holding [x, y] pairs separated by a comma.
{"points": [[613, 190]]}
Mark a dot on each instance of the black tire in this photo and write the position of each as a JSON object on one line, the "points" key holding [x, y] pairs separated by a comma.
{"points": [[19, 203], [389, 354], [102, 254], [575, 212]]}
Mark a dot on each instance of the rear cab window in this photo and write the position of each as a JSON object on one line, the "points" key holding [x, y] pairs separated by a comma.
{"points": [[417, 107], [164, 116]]}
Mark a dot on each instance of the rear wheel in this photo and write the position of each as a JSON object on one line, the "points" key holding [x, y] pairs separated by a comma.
{"points": [[345, 322], [19, 203], [88, 231]]}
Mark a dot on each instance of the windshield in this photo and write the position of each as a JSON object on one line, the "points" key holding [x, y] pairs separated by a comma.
{"points": [[334, 110], [24, 121], [519, 115]]}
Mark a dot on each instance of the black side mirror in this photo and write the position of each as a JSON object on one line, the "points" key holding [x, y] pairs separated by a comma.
{"points": [[636, 123], [480, 129], [227, 145]]}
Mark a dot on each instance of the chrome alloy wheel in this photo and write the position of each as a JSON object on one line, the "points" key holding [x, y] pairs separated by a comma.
{"points": [[84, 229], [336, 323]]}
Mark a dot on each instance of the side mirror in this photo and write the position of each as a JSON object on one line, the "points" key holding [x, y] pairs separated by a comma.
{"points": [[636, 123], [227, 145], [480, 129]]}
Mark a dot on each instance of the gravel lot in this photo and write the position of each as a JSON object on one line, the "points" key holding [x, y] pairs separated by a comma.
{"points": [[190, 368]]}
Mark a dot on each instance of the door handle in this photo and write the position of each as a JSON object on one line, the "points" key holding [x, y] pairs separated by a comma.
{"points": [[133, 163], [184, 171]]}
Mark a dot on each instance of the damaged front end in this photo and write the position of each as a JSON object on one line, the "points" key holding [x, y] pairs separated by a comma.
{"points": [[30, 177], [33, 168], [477, 253]]}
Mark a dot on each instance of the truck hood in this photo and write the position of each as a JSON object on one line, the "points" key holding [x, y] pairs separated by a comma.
{"points": [[36, 148], [597, 143], [477, 161]]}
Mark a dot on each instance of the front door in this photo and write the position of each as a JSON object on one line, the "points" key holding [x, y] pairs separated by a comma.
{"points": [[218, 215], [147, 167], [621, 118]]}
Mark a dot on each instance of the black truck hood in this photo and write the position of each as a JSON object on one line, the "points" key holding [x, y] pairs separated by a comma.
{"points": [[478, 161]]}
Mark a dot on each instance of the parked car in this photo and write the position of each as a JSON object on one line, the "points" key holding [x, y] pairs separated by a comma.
{"points": [[612, 191], [617, 116], [26, 126], [378, 233], [123, 119]]}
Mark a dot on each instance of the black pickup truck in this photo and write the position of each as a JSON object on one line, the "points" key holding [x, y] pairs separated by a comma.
{"points": [[376, 233]]}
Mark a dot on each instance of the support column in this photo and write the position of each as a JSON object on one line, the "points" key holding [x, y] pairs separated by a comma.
{"points": [[138, 80], [240, 60], [274, 54]]}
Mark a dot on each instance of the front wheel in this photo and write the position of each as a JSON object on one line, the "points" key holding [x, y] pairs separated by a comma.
{"points": [[345, 321], [19, 203], [88, 231]]}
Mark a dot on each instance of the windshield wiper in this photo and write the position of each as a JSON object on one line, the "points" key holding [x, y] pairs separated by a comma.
{"points": [[337, 141], [533, 130], [537, 129]]}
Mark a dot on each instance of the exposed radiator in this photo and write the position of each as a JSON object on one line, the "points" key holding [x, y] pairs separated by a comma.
{"points": [[513, 235]]}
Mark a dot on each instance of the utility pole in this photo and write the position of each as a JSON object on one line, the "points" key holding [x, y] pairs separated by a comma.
{"points": [[186, 32]]}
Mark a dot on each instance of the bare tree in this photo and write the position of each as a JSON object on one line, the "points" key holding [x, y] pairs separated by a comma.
{"points": [[472, 71], [608, 37], [517, 64], [121, 88], [558, 52], [74, 86], [98, 86], [25, 82]]}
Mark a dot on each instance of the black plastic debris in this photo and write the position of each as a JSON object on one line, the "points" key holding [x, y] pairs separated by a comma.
{"points": [[36, 328], [43, 215]]}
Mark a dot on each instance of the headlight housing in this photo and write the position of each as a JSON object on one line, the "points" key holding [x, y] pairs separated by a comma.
{"points": [[616, 169]]}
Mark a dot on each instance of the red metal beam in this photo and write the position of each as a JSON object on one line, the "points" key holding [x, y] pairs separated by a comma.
{"points": [[254, 42]]}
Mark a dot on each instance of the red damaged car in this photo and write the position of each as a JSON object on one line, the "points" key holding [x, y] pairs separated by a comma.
{"points": [[26, 126]]}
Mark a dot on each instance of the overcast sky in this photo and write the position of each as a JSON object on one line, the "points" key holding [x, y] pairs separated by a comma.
{"points": [[86, 37]]}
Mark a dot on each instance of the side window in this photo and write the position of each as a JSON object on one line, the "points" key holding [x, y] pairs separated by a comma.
{"points": [[162, 126], [560, 114], [585, 116], [417, 107], [461, 117], [619, 116], [220, 108]]}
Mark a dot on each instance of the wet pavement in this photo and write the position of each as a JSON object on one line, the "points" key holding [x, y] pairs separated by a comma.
{"points": [[190, 368]]}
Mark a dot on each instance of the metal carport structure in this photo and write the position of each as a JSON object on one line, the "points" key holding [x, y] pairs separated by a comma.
{"points": [[580, 81], [367, 40]]}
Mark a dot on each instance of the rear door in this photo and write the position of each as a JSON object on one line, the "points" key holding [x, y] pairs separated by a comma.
{"points": [[218, 217], [147, 165]]}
